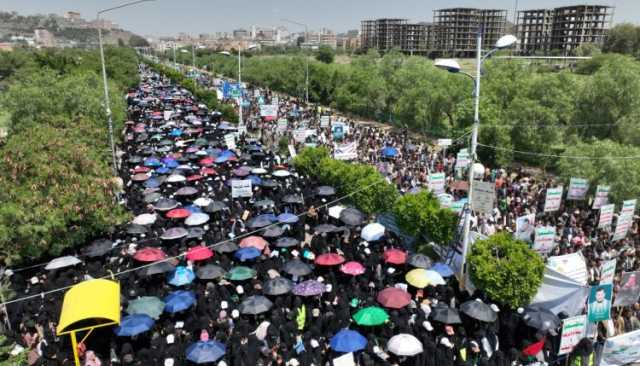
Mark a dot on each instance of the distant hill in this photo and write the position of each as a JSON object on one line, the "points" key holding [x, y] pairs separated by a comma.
{"points": [[55, 30]]}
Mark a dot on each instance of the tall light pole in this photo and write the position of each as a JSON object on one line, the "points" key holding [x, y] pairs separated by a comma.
{"points": [[306, 39], [453, 66], [107, 104], [250, 47]]}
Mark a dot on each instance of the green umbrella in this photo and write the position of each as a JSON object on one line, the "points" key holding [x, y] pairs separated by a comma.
{"points": [[149, 305], [370, 316], [240, 273]]}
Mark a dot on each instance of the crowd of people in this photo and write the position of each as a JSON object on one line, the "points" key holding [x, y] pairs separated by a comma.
{"points": [[276, 273]]}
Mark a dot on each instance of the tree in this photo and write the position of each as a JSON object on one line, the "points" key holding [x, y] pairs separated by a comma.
{"points": [[506, 270], [325, 54], [420, 215], [623, 38], [137, 41]]}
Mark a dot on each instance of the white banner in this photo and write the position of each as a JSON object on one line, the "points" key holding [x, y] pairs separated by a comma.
{"points": [[269, 110], [346, 152], [462, 159], [444, 142], [436, 183], [483, 197], [571, 265], [621, 350], [325, 121], [299, 135], [282, 126], [230, 141], [553, 199], [602, 197], [622, 227], [606, 215], [241, 188], [573, 330], [545, 238], [578, 188], [167, 115], [628, 208], [525, 227], [607, 270]]}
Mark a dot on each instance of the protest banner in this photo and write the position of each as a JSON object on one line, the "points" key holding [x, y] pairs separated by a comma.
{"points": [[241, 188], [573, 330], [444, 142], [628, 208], [629, 290], [445, 199], [462, 159], [553, 199], [606, 215], [602, 197], [299, 135], [230, 141], [545, 237], [269, 110], [325, 121], [621, 350], [525, 226], [622, 227], [599, 307], [607, 270], [346, 152], [578, 188], [571, 265], [484, 196], [282, 125], [436, 183]]}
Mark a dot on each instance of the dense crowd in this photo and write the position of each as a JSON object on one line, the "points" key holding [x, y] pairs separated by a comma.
{"points": [[281, 277]]}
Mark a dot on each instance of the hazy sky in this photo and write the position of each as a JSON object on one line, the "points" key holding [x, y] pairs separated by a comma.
{"points": [[168, 17]]}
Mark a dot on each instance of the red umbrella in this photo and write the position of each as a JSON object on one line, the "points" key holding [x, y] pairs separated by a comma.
{"points": [[253, 241], [352, 268], [208, 171], [194, 177], [329, 259], [178, 213], [199, 253], [207, 161], [394, 256], [141, 169], [394, 298], [149, 254]]}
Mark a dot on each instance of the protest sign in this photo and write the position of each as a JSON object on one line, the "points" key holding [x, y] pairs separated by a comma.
{"points": [[436, 183], [484, 195], [292, 151], [445, 199], [299, 135], [444, 142], [324, 121], [571, 265], [282, 126], [241, 188], [545, 237], [553, 199], [629, 290], [525, 226], [573, 330], [462, 159], [346, 359], [607, 270], [230, 141], [620, 350], [602, 197], [269, 110], [346, 152], [578, 188], [599, 307], [458, 206], [628, 208], [606, 215], [622, 227], [167, 115]]}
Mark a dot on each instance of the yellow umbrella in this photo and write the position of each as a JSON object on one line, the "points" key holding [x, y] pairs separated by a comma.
{"points": [[417, 278]]}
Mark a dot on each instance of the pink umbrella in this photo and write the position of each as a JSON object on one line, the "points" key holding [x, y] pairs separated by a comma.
{"points": [[352, 268], [394, 298], [329, 259], [253, 241], [394, 256]]}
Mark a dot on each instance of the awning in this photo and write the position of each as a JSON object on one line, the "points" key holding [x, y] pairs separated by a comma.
{"points": [[90, 304]]}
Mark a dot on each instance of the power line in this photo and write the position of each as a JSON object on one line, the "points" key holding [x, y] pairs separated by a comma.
{"points": [[548, 125], [577, 157]]}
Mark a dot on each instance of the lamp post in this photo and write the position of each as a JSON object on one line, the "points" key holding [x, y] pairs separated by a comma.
{"points": [[250, 47], [107, 104], [453, 66], [306, 35]]}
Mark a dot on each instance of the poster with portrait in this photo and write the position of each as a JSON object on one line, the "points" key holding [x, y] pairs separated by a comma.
{"points": [[599, 307], [629, 290], [578, 188], [525, 226]]}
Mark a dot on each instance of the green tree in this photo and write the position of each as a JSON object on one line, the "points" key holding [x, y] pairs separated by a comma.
{"points": [[325, 54], [137, 41], [623, 38], [420, 215], [506, 270]]}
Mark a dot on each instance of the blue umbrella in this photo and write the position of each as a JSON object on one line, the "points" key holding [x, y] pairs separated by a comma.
{"points": [[167, 160], [348, 340], [213, 151], [176, 132], [163, 170], [178, 301], [261, 221], [172, 164], [193, 209], [255, 180], [442, 269], [134, 324], [205, 351], [152, 162], [181, 276], [248, 253], [227, 154], [152, 183], [390, 152], [287, 218]]}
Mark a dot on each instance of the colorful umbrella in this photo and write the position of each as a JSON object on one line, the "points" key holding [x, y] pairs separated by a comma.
{"points": [[253, 241], [199, 253], [181, 276], [393, 298], [329, 259], [434, 278], [371, 316], [394, 256], [132, 325], [240, 273], [244, 254], [149, 254], [348, 340], [178, 213], [309, 288], [148, 305], [205, 351], [352, 268], [417, 278], [178, 301]]}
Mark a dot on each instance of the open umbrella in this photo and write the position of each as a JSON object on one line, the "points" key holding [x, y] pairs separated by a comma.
{"points": [[174, 233], [225, 247], [325, 191], [479, 310], [329, 259], [541, 319], [148, 305], [202, 201], [277, 286], [255, 305], [62, 262], [273, 232], [286, 242], [240, 273], [281, 173], [261, 221], [417, 278], [434, 278], [419, 261], [210, 272], [132, 325], [156, 268], [253, 241], [352, 268], [152, 197], [287, 218], [205, 351], [135, 229], [394, 256], [215, 206], [372, 232], [404, 344], [296, 267], [325, 228], [149, 254], [309, 288], [352, 216], [165, 204], [248, 253], [389, 152], [394, 298], [334, 211], [178, 301], [348, 340], [443, 269], [178, 213], [196, 219], [181, 276], [199, 253], [186, 191], [445, 315], [145, 219], [265, 203], [98, 248], [371, 316], [292, 198]]}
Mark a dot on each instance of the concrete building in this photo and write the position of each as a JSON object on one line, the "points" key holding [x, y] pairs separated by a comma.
{"points": [[241, 34], [456, 30], [44, 38], [73, 16], [389, 33]]}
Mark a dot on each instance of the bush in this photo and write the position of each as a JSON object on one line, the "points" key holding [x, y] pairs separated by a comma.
{"points": [[421, 215], [506, 270], [325, 54], [308, 160]]}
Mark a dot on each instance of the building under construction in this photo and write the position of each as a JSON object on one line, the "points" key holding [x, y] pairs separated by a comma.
{"points": [[395, 33], [456, 30], [562, 30]]}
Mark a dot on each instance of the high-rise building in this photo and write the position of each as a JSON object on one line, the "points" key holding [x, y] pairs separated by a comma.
{"points": [[456, 29], [388, 33]]}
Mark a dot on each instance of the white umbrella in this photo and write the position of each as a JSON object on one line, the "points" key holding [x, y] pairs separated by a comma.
{"points": [[435, 278], [196, 219], [261, 330], [372, 232], [202, 201], [334, 211], [145, 219], [175, 178], [404, 344], [61, 262], [259, 171], [281, 173]]}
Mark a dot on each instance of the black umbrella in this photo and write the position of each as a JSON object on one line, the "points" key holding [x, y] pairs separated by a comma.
{"points": [[325, 228], [479, 310], [269, 183], [210, 272], [226, 247], [186, 191], [541, 319], [152, 197], [259, 222], [165, 204], [325, 191], [264, 203], [296, 267], [214, 207], [352, 216], [98, 248], [195, 232], [292, 198], [445, 314], [420, 261], [156, 268], [255, 305], [277, 286], [286, 242], [273, 232], [135, 229]]}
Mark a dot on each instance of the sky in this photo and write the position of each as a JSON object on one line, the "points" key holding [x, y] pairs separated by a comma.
{"points": [[169, 17]]}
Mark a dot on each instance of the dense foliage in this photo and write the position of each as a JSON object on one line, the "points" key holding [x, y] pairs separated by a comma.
{"points": [[56, 187], [506, 270], [325, 54], [623, 38], [420, 215]]}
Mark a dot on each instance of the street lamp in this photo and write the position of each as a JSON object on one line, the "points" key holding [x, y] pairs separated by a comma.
{"points": [[226, 53], [306, 39], [107, 104], [453, 66]]}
